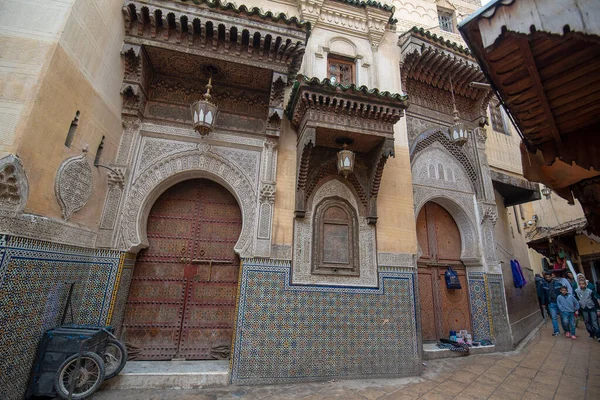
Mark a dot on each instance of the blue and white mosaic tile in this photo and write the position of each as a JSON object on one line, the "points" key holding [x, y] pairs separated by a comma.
{"points": [[479, 306], [35, 278], [287, 333]]}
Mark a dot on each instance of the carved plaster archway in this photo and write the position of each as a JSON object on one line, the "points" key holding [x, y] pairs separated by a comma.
{"points": [[169, 171], [464, 217]]}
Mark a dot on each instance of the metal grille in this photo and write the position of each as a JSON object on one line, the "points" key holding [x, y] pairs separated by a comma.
{"points": [[182, 297], [446, 22]]}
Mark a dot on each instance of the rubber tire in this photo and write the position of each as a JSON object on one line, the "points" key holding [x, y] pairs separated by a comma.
{"points": [[123, 359], [86, 354]]}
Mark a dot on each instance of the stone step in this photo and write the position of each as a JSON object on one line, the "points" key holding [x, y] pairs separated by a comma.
{"points": [[432, 352], [171, 375]]}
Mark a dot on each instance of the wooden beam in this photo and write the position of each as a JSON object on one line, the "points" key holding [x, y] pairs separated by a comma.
{"points": [[531, 67]]}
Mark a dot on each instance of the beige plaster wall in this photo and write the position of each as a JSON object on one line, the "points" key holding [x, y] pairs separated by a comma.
{"points": [[586, 246], [503, 150], [29, 32], [83, 73]]}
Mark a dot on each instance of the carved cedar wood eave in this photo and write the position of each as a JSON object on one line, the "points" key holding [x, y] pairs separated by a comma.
{"points": [[250, 39], [548, 83], [429, 62], [319, 112]]}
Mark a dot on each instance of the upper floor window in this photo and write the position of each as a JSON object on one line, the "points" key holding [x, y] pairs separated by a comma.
{"points": [[342, 69], [446, 20], [336, 239], [497, 118]]}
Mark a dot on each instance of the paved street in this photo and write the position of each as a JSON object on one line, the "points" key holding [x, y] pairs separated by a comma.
{"points": [[546, 368]]}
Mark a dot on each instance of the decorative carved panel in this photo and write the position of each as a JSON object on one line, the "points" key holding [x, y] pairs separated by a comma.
{"points": [[73, 184], [14, 187]]}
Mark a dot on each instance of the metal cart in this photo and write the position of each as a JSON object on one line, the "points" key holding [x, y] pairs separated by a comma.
{"points": [[73, 360]]}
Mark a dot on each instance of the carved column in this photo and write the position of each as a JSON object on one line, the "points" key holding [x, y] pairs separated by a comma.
{"points": [[269, 167], [133, 90], [489, 216], [266, 199]]}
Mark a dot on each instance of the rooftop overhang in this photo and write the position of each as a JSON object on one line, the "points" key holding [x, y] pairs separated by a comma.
{"points": [[321, 112], [563, 236], [543, 60], [441, 64], [515, 190], [220, 31]]}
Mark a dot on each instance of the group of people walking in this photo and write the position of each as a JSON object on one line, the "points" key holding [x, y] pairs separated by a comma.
{"points": [[569, 297]]}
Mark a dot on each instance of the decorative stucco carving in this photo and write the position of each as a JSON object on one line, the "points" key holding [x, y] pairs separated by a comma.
{"points": [[489, 214], [303, 242], [47, 229], [436, 167], [440, 135], [73, 184], [170, 170], [14, 188], [367, 20], [396, 260], [116, 176]]}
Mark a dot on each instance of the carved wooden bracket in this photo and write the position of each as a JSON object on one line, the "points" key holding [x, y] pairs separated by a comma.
{"points": [[135, 80], [240, 35]]}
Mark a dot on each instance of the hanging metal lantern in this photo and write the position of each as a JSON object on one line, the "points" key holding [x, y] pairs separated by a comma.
{"points": [[546, 191], [204, 112], [458, 133], [345, 158]]}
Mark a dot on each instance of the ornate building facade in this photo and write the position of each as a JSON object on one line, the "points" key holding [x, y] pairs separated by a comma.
{"points": [[248, 243]]}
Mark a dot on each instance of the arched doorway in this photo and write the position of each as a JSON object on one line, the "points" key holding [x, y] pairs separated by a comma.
{"points": [[442, 309], [181, 301]]}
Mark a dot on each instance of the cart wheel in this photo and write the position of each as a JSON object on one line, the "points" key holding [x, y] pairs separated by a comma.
{"points": [[87, 380], [114, 357]]}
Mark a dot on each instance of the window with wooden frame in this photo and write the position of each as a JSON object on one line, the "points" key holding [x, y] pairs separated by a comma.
{"points": [[335, 239], [446, 20], [496, 117], [342, 69]]}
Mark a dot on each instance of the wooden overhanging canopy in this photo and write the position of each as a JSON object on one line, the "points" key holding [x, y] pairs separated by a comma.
{"points": [[322, 112], [561, 236], [219, 30], [543, 60], [442, 64]]}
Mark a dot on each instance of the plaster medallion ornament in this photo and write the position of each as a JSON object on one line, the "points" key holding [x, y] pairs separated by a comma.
{"points": [[13, 186], [73, 184]]}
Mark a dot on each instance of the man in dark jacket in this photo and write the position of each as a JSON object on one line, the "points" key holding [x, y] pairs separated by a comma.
{"points": [[550, 292], [538, 287]]}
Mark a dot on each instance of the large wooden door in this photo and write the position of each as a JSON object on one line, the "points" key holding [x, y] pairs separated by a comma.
{"points": [[442, 310], [182, 298]]}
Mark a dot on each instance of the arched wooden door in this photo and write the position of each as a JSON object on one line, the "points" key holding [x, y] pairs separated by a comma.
{"points": [[442, 310], [182, 298]]}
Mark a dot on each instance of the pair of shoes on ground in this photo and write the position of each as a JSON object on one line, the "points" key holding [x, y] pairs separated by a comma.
{"points": [[568, 334], [555, 333]]}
